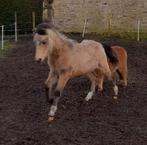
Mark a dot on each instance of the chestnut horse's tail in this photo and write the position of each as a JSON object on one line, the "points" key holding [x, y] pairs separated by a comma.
{"points": [[110, 54]]}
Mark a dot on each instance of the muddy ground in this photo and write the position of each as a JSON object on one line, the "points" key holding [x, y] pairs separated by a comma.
{"points": [[101, 121]]}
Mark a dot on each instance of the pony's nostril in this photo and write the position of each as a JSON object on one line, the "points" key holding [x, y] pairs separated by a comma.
{"points": [[39, 60]]}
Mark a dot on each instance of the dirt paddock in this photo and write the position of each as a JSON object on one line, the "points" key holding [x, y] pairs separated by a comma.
{"points": [[101, 121]]}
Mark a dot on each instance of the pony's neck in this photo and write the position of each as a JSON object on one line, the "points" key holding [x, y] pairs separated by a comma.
{"points": [[57, 42], [57, 47]]}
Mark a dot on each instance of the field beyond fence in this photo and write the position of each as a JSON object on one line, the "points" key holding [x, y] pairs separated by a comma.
{"points": [[18, 29]]}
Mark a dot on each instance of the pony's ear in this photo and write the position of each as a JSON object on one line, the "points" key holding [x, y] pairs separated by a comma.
{"points": [[51, 24], [43, 27]]}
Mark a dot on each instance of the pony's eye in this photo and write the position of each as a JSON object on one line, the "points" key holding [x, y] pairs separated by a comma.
{"points": [[44, 42]]}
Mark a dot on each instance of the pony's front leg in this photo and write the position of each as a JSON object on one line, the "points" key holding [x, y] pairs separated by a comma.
{"points": [[63, 78], [115, 88], [50, 82], [92, 88]]}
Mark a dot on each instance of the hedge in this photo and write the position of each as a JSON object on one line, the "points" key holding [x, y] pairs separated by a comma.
{"points": [[24, 9]]}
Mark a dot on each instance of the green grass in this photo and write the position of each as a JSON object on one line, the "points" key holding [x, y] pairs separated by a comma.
{"points": [[8, 45], [126, 35]]}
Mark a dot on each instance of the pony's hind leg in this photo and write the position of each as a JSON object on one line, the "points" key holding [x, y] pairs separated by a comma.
{"points": [[115, 89], [92, 88], [63, 78], [99, 81]]}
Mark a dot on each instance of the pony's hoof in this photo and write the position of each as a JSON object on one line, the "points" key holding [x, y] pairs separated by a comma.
{"points": [[87, 99], [115, 97], [50, 119]]}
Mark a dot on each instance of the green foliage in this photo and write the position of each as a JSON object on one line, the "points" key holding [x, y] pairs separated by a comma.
{"points": [[23, 8], [126, 35], [7, 47]]}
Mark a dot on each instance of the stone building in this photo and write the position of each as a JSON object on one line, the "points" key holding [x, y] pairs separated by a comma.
{"points": [[100, 15]]}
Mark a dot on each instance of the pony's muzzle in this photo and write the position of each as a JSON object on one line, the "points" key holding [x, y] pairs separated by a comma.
{"points": [[39, 60]]}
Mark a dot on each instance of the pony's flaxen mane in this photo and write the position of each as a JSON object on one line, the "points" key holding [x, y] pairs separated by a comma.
{"points": [[110, 54], [42, 30], [68, 41]]}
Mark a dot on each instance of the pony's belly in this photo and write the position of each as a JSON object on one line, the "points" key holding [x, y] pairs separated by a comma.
{"points": [[83, 69], [77, 73]]}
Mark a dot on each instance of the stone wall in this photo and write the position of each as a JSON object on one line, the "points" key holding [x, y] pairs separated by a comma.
{"points": [[102, 15]]}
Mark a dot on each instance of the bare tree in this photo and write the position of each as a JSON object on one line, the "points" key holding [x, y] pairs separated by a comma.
{"points": [[48, 11]]}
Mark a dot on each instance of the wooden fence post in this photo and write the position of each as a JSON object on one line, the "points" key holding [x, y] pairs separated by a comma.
{"points": [[84, 28], [2, 36], [33, 20], [16, 37], [138, 31]]}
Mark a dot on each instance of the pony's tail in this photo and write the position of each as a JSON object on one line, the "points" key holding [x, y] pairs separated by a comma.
{"points": [[110, 54]]}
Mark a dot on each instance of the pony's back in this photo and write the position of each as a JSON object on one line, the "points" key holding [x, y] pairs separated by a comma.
{"points": [[96, 52]]}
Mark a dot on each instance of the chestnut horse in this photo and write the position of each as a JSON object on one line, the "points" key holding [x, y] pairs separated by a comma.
{"points": [[119, 67], [68, 59]]}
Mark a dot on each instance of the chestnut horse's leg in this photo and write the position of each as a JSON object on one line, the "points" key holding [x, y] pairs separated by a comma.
{"points": [[100, 80], [123, 74], [92, 88], [123, 69], [115, 87], [63, 79]]}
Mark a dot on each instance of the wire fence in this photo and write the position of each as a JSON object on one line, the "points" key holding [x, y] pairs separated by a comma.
{"points": [[17, 30], [21, 29]]}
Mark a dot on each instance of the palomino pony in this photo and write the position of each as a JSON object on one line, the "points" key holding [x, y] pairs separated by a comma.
{"points": [[118, 66], [68, 59]]}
